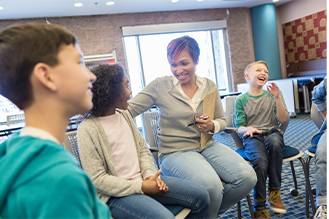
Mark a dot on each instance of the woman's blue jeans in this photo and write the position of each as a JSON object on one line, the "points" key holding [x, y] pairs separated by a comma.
{"points": [[210, 166], [181, 192], [321, 170], [266, 155]]}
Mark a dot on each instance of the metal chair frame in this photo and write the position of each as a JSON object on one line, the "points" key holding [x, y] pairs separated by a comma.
{"points": [[71, 144], [317, 119]]}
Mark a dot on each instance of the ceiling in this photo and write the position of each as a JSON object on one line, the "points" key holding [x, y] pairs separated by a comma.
{"points": [[16, 9]]}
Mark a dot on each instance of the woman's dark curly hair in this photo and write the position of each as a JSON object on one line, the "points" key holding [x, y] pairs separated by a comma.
{"points": [[107, 88]]}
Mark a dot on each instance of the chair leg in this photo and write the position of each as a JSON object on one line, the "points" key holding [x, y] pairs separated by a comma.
{"points": [[293, 192], [239, 210], [308, 191], [250, 207]]}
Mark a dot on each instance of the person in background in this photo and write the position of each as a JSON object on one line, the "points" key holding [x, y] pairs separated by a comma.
{"points": [[258, 114], [179, 98], [43, 73], [319, 97], [114, 153]]}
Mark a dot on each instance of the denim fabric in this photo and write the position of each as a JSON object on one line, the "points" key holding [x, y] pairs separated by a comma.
{"points": [[266, 155], [319, 95], [321, 170], [181, 192], [209, 167]]}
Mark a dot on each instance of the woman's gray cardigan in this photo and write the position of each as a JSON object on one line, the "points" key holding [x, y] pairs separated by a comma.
{"points": [[175, 114], [97, 160]]}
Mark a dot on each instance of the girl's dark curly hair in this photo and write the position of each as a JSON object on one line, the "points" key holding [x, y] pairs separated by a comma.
{"points": [[107, 88]]}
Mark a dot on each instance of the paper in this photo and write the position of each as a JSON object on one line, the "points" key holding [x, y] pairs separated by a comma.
{"points": [[208, 109]]}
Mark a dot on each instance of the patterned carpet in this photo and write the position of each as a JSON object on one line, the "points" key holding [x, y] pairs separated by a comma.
{"points": [[298, 135]]}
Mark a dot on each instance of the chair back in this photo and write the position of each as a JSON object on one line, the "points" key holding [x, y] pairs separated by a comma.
{"points": [[316, 116], [152, 125], [16, 119], [230, 110], [71, 144], [230, 119]]}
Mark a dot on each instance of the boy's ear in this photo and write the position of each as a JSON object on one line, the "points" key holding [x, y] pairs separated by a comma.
{"points": [[246, 76], [42, 72]]}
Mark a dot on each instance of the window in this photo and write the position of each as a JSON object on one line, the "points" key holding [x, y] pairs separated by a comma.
{"points": [[7, 108], [147, 58]]}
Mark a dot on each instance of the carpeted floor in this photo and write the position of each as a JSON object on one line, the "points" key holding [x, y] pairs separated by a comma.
{"points": [[298, 135]]}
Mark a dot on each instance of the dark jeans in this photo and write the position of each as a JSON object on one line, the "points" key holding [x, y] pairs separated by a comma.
{"points": [[266, 155]]}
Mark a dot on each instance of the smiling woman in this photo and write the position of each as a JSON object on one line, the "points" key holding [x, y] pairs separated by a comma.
{"points": [[146, 53], [180, 99]]}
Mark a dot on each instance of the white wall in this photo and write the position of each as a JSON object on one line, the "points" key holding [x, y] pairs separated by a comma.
{"points": [[300, 8]]}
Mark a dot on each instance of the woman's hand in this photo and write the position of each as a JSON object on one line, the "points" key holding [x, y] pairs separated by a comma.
{"points": [[205, 125], [153, 185]]}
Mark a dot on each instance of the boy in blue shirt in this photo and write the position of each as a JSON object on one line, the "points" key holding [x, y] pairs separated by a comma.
{"points": [[259, 113], [43, 73], [319, 97]]}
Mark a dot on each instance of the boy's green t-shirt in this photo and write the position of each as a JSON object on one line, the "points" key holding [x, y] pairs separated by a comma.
{"points": [[259, 111], [40, 179]]}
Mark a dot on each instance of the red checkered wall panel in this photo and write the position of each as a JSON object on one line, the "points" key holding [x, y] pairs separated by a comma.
{"points": [[306, 38]]}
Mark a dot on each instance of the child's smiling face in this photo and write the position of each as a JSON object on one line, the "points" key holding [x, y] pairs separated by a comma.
{"points": [[125, 95], [257, 75]]}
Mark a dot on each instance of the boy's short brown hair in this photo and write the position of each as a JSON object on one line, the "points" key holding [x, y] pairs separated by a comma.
{"points": [[254, 63], [21, 48]]}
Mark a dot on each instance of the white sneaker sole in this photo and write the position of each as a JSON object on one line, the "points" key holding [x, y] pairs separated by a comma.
{"points": [[278, 210]]}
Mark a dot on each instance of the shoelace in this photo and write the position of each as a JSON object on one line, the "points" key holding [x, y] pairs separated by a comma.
{"points": [[274, 195], [265, 214]]}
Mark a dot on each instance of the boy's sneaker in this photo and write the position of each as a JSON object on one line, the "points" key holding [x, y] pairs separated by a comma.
{"points": [[276, 204], [262, 214], [321, 212]]}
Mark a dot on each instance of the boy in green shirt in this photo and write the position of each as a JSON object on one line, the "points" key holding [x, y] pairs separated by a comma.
{"points": [[259, 113], [43, 73]]}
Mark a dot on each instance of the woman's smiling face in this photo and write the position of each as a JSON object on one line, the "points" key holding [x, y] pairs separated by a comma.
{"points": [[183, 67]]}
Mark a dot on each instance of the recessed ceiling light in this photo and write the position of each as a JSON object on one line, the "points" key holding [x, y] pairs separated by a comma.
{"points": [[1, 8], [110, 3], [173, 1], [78, 4], [275, 0]]}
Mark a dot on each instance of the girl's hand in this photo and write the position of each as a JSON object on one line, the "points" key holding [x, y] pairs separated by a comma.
{"points": [[153, 185]]}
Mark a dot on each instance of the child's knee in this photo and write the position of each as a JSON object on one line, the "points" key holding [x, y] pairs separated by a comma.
{"points": [[261, 165]]}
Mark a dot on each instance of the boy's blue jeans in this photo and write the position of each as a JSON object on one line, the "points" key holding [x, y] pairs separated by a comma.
{"points": [[266, 155], [181, 192]]}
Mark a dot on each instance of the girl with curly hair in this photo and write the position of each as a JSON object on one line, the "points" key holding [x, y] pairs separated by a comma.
{"points": [[115, 155]]}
